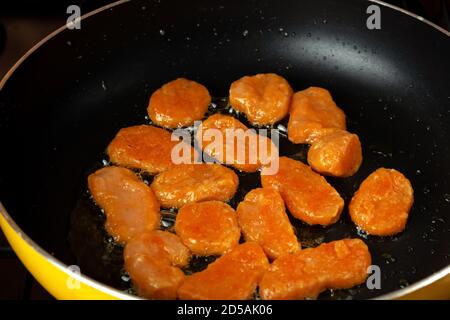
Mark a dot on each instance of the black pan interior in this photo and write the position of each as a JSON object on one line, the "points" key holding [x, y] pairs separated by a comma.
{"points": [[65, 102]]}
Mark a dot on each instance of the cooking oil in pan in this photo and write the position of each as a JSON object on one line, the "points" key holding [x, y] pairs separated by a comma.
{"points": [[101, 258]]}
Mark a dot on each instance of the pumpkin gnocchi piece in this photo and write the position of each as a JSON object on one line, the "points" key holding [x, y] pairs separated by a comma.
{"points": [[178, 103], [308, 196], [382, 203], [303, 275], [147, 148], [129, 204], [189, 183], [153, 261], [313, 114], [233, 276], [240, 147], [263, 98], [208, 228], [263, 219], [337, 154]]}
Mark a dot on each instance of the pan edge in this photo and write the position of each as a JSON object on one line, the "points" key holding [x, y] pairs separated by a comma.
{"points": [[421, 284]]}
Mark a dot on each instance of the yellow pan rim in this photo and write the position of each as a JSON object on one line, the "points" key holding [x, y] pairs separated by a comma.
{"points": [[121, 295], [102, 288]]}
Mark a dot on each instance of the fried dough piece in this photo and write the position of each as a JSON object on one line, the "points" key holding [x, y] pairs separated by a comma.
{"points": [[129, 204], [337, 154], [236, 138], [208, 228], [153, 261], [263, 219], [144, 147], [178, 103], [233, 276], [381, 205], [264, 98], [189, 183], [308, 196], [335, 265], [313, 114]]}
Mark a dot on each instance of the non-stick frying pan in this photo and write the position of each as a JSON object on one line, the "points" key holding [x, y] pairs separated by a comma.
{"points": [[64, 101]]}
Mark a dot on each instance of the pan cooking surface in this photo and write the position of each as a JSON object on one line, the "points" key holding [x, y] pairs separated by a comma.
{"points": [[87, 220], [64, 104]]}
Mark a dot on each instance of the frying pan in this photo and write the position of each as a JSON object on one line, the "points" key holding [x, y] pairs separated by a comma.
{"points": [[63, 102]]}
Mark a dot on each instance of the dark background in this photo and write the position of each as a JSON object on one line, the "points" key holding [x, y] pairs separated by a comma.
{"points": [[24, 23]]}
